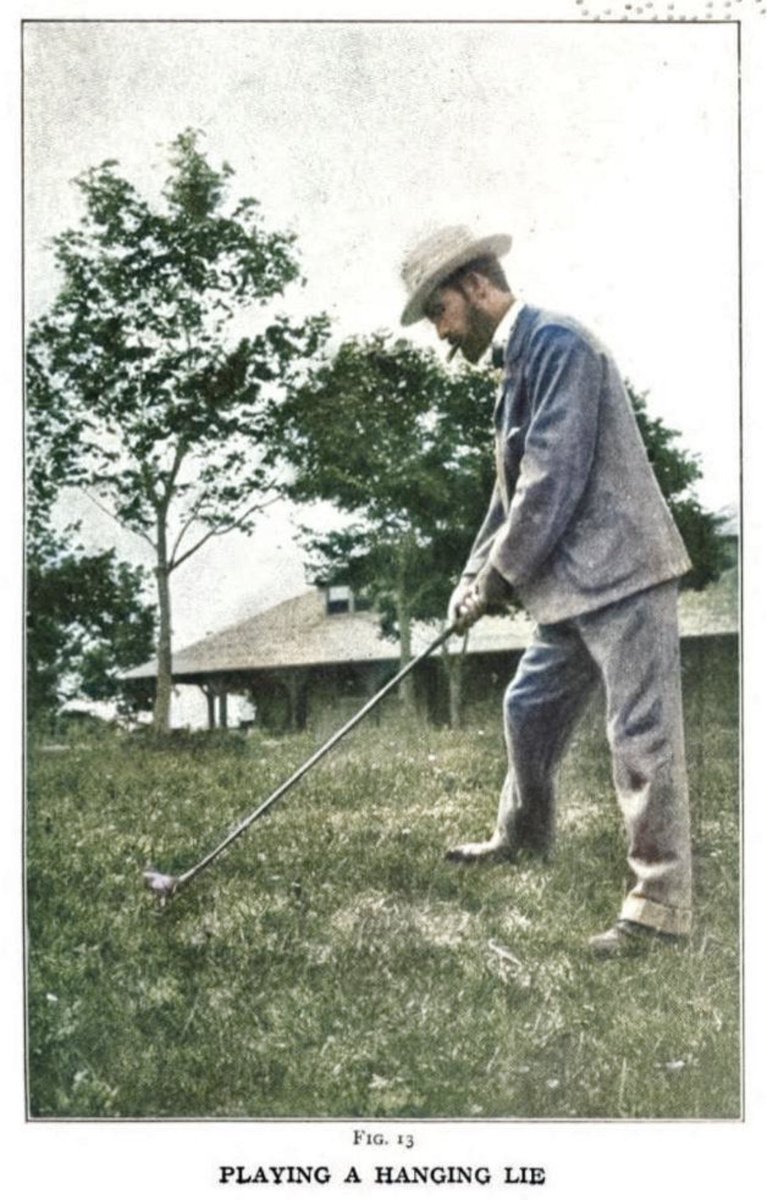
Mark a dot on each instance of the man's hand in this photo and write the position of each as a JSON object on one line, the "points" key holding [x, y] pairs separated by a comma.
{"points": [[472, 598], [456, 608]]}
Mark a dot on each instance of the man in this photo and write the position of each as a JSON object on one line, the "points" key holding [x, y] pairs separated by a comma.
{"points": [[578, 529]]}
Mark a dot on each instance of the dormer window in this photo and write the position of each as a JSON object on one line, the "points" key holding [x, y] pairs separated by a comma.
{"points": [[340, 599]]}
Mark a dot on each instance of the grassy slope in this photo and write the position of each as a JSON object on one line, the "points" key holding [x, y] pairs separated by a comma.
{"points": [[332, 964]]}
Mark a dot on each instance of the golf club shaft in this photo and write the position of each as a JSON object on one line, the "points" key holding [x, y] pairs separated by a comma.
{"points": [[315, 758]]}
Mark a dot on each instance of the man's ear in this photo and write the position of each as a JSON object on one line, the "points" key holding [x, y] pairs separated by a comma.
{"points": [[475, 286]]}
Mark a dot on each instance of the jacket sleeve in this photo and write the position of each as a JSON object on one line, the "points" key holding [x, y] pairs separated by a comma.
{"points": [[483, 542], [564, 377]]}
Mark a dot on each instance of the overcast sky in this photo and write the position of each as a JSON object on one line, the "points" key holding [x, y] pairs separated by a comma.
{"points": [[609, 152]]}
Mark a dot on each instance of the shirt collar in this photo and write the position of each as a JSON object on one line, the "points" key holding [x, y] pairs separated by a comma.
{"points": [[505, 326]]}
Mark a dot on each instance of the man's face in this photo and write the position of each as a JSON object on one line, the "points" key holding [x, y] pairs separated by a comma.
{"points": [[459, 318]]}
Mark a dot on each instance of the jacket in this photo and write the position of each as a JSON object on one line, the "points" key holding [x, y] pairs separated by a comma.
{"points": [[577, 520]]}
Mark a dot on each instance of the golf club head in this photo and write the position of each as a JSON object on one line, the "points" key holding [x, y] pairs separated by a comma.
{"points": [[161, 886]]}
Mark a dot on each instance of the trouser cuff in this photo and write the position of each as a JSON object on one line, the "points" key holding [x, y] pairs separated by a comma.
{"points": [[658, 916]]}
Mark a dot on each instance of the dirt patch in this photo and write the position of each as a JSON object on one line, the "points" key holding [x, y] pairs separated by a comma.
{"points": [[376, 914]]}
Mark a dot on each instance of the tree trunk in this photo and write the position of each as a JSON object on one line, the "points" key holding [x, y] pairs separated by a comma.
{"points": [[161, 721], [453, 664], [295, 685], [406, 563], [407, 686]]}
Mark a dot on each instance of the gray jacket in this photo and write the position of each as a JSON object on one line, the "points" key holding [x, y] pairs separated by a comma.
{"points": [[577, 519]]}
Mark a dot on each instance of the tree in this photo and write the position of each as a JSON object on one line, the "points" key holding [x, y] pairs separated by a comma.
{"points": [[86, 622], [403, 448], [140, 389], [400, 446], [677, 472], [87, 618]]}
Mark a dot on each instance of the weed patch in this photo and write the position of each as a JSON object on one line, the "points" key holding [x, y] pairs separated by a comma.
{"points": [[331, 963]]}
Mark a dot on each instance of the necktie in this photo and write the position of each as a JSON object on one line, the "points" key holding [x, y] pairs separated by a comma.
{"points": [[497, 355]]}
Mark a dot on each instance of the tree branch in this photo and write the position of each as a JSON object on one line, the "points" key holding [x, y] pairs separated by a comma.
{"points": [[149, 482], [211, 533], [109, 513], [185, 528], [178, 458]]}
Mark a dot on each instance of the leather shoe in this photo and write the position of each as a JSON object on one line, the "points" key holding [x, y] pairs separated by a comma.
{"points": [[492, 851], [630, 937]]}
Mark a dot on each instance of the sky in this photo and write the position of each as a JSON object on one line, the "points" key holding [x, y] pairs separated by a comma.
{"points": [[608, 152]]}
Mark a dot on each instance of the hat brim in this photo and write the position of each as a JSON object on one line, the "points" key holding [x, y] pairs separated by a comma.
{"points": [[497, 245]]}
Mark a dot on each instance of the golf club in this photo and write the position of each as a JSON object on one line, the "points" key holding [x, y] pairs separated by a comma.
{"points": [[164, 886]]}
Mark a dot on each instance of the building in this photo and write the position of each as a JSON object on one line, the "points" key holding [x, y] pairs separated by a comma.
{"points": [[319, 656]]}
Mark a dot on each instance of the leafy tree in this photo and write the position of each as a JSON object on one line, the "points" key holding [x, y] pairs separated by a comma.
{"points": [[677, 472], [141, 390], [403, 448], [86, 622]]}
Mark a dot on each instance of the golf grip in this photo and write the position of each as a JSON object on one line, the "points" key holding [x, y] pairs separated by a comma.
{"points": [[318, 754]]}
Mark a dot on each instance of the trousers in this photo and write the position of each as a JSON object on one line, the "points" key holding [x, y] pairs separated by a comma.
{"points": [[632, 647]]}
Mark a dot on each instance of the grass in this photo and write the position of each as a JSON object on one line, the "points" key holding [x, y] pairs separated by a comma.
{"points": [[331, 964]]}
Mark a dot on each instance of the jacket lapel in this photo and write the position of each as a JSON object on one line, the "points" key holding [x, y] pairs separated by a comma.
{"points": [[520, 334], [515, 347]]}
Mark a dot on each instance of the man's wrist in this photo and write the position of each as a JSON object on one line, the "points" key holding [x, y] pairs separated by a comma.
{"points": [[492, 586]]}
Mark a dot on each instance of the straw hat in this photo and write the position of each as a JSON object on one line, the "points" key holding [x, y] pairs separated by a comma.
{"points": [[436, 257]]}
